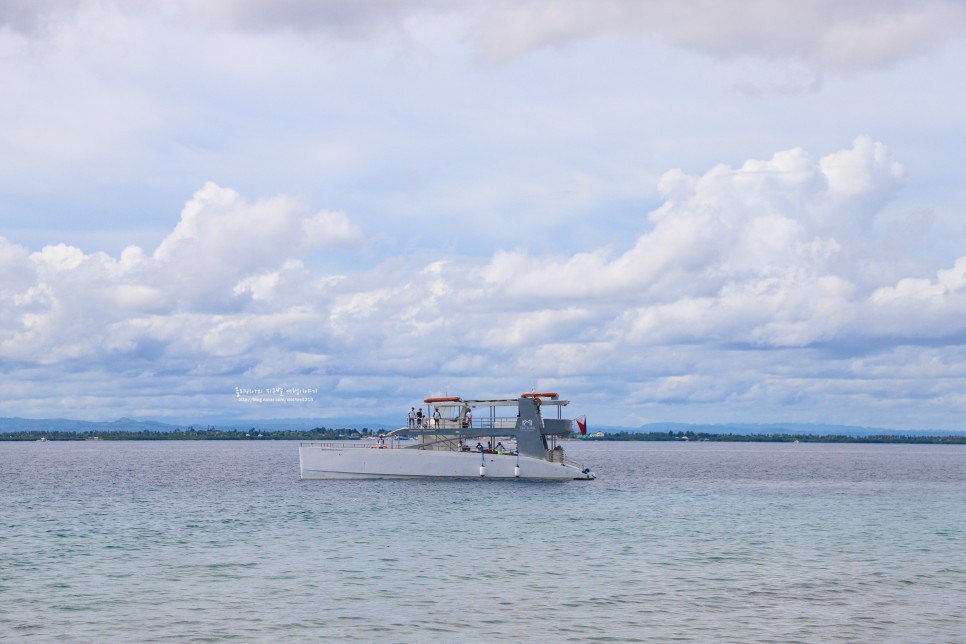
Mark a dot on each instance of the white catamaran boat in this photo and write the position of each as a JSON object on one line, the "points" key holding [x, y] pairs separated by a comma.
{"points": [[457, 438]]}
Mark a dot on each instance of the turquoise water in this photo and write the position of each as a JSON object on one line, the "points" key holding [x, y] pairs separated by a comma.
{"points": [[211, 541]]}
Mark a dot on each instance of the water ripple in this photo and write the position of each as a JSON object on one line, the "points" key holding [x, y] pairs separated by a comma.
{"points": [[207, 542]]}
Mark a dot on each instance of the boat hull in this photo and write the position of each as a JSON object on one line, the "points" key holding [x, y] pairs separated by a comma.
{"points": [[322, 463]]}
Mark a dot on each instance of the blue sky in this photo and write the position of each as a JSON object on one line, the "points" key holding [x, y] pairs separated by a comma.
{"points": [[667, 211]]}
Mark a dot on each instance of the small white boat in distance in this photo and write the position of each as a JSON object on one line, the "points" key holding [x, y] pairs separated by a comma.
{"points": [[459, 438]]}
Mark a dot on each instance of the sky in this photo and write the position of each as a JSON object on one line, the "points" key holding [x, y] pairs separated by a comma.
{"points": [[675, 210]]}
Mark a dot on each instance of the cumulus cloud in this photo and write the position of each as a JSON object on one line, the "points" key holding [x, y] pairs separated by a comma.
{"points": [[228, 276], [842, 35], [792, 277], [769, 258], [767, 232], [829, 34], [920, 308], [222, 239]]}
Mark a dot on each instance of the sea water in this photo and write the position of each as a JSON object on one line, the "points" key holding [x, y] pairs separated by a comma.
{"points": [[707, 542]]}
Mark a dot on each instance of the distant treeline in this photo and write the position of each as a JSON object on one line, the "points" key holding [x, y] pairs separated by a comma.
{"points": [[191, 434], [777, 438], [321, 433]]}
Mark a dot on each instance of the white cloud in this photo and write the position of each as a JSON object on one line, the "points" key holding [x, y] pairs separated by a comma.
{"points": [[770, 228], [923, 310], [219, 285], [18, 274], [848, 36], [840, 35], [772, 255], [523, 228], [219, 228], [222, 238]]}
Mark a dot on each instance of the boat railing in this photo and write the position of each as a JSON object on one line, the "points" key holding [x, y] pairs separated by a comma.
{"points": [[476, 424], [321, 445], [388, 443], [560, 456], [496, 423]]}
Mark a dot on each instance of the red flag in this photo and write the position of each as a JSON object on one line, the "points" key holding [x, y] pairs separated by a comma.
{"points": [[582, 424]]}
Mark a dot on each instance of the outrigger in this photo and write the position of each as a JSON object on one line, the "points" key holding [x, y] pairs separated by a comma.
{"points": [[444, 444]]}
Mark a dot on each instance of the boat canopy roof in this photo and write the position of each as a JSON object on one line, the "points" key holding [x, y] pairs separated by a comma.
{"points": [[455, 401]]}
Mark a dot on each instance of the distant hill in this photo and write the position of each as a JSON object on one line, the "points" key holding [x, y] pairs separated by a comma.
{"points": [[741, 429], [800, 429], [8, 425], [81, 426]]}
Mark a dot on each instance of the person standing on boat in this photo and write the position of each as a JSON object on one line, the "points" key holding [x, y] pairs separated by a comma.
{"points": [[436, 418], [479, 447], [412, 418], [419, 417], [469, 417]]}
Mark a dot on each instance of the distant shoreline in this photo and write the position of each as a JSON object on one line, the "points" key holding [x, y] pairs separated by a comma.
{"points": [[699, 437], [351, 434]]}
